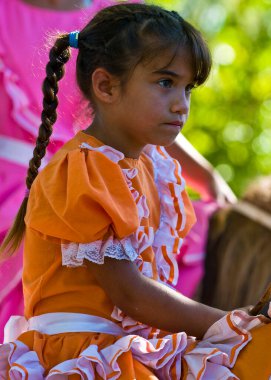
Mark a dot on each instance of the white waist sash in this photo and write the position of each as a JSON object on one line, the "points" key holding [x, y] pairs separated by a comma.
{"points": [[57, 323]]}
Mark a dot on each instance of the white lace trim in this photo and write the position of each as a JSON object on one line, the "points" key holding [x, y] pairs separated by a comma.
{"points": [[73, 254]]}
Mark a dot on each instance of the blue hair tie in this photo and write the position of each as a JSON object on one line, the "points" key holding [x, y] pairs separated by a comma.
{"points": [[73, 39]]}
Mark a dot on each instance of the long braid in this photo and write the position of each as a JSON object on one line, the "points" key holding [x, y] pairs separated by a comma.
{"points": [[58, 56]]}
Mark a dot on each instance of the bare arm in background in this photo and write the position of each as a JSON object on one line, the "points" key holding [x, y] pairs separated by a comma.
{"points": [[199, 173], [57, 4]]}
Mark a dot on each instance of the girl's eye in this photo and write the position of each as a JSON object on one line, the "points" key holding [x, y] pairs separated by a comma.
{"points": [[165, 83]]}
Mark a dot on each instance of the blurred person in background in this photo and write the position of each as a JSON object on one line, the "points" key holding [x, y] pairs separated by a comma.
{"points": [[238, 254]]}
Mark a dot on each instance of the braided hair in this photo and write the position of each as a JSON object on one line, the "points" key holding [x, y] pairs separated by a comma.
{"points": [[118, 38], [58, 56]]}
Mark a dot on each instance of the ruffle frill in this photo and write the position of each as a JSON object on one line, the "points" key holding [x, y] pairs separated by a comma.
{"points": [[208, 359], [170, 185]]}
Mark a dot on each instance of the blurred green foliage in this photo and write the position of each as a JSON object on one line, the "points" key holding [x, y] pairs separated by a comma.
{"points": [[230, 121]]}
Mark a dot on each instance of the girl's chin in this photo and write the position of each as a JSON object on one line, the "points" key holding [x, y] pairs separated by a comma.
{"points": [[167, 141]]}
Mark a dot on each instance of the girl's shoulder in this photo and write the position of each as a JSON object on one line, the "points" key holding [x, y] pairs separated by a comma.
{"points": [[82, 191]]}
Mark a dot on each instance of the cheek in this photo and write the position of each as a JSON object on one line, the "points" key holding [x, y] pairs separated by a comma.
{"points": [[149, 106], [157, 104]]}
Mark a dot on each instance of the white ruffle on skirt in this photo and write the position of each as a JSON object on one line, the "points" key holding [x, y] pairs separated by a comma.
{"points": [[210, 358]]}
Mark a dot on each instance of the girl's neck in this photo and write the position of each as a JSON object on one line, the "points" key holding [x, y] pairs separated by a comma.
{"points": [[61, 5], [113, 141]]}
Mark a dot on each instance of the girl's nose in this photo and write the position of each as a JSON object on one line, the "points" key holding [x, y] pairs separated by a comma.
{"points": [[181, 103]]}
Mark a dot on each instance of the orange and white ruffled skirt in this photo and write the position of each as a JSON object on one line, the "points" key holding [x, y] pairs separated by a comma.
{"points": [[60, 346]]}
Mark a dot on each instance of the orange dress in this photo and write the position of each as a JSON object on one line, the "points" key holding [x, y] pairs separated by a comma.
{"points": [[90, 202]]}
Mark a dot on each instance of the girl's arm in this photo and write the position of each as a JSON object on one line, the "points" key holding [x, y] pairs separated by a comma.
{"points": [[151, 302], [199, 173]]}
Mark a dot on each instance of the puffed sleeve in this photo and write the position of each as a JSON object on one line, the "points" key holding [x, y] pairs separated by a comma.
{"points": [[79, 196]]}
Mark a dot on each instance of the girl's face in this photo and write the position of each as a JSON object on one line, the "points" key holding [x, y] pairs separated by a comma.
{"points": [[153, 106]]}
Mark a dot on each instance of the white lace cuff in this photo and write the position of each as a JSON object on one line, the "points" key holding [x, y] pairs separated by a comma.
{"points": [[73, 254]]}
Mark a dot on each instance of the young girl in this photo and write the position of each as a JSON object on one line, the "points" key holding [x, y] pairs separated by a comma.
{"points": [[21, 76], [106, 217]]}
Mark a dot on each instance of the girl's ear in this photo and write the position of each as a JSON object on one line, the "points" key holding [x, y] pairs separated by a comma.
{"points": [[105, 86]]}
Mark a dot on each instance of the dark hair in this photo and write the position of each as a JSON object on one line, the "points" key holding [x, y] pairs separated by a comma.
{"points": [[117, 39], [121, 36]]}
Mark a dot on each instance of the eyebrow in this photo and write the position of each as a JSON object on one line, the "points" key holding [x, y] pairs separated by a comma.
{"points": [[167, 72]]}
